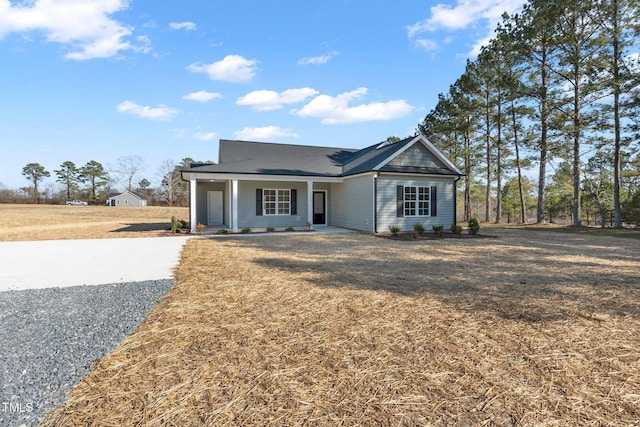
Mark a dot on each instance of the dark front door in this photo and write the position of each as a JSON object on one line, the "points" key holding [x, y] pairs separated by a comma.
{"points": [[320, 208]]}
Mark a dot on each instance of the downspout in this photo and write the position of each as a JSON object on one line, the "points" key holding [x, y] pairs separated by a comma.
{"points": [[455, 199], [375, 202]]}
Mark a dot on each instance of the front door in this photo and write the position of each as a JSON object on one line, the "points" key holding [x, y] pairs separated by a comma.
{"points": [[320, 208], [214, 207]]}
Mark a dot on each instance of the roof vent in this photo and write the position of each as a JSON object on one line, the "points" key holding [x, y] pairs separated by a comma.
{"points": [[389, 141]]}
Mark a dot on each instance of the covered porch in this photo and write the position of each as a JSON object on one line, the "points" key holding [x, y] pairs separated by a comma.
{"points": [[220, 201]]}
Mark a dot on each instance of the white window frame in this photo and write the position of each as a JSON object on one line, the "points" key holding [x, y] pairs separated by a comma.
{"points": [[279, 202], [417, 204]]}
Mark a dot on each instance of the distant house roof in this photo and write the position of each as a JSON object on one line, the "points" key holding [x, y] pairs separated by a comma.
{"points": [[135, 195], [245, 157]]}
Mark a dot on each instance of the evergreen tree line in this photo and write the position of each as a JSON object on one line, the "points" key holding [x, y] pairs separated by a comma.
{"points": [[557, 87], [93, 182]]}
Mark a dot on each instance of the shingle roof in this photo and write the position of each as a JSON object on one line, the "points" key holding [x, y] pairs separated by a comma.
{"points": [[246, 157], [370, 157]]}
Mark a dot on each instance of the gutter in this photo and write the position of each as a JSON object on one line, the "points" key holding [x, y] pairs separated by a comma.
{"points": [[455, 199]]}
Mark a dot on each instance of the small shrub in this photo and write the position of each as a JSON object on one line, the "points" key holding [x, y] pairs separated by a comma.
{"points": [[394, 229], [270, 229], [177, 224], [222, 231], [245, 230], [289, 229], [418, 228], [438, 229], [474, 226], [456, 229]]}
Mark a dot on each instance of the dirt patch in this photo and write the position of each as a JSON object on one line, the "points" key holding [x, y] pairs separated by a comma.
{"points": [[532, 328], [53, 222]]}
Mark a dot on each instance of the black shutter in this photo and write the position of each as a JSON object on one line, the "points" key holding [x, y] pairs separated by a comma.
{"points": [[400, 202], [294, 201], [434, 201], [258, 201]]}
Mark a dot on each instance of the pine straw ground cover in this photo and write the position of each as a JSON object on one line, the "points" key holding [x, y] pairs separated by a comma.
{"points": [[61, 222], [531, 328]]}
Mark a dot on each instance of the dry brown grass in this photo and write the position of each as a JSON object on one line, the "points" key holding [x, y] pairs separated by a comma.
{"points": [[532, 328], [55, 222]]}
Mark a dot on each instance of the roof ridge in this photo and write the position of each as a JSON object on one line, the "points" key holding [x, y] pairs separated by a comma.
{"points": [[290, 145]]}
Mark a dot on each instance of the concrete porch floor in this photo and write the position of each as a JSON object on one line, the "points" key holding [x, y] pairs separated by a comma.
{"points": [[212, 230]]}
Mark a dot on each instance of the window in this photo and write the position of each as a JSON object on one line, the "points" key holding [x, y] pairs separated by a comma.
{"points": [[417, 201], [276, 202]]}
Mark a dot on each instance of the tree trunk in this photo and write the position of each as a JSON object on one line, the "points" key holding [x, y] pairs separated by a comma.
{"points": [[467, 178], [499, 164], [523, 208], [487, 209], [544, 114], [616, 120], [577, 214]]}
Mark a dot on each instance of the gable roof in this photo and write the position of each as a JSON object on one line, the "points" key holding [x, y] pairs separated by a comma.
{"points": [[246, 157], [124, 193]]}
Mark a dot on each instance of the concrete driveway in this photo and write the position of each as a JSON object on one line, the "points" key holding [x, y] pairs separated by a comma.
{"points": [[62, 263]]}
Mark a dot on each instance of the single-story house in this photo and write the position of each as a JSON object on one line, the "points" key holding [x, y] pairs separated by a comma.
{"points": [[258, 185], [126, 198]]}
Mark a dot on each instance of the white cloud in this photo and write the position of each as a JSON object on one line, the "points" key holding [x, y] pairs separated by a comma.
{"points": [[464, 14], [266, 100], [322, 59], [425, 44], [202, 96], [160, 113], [267, 133], [232, 68], [333, 110], [84, 26], [204, 136], [189, 26]]}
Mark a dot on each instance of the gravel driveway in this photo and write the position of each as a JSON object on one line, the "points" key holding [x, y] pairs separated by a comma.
{"points": [[64, 305]]}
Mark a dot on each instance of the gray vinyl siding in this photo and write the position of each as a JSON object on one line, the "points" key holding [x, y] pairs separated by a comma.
{"points": [[352, 203], [201, 201], [387, 196], [127, 199], [247, 205]]}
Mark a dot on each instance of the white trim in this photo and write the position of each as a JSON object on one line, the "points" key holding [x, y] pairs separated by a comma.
{"points": [[193, 185], [234, 204], [203, 176], [264, 210], [417, 201], [429, 146], [310, 202]]}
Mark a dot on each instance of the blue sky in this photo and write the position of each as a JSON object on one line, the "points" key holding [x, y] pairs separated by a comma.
{"points": [[85, 80]]}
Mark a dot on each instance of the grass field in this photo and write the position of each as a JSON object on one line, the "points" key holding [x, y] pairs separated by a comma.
{"points": [[529, 328], [55, 222]]}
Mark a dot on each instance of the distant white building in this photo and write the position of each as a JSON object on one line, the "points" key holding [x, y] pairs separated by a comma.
{"points": [[126, 198]]}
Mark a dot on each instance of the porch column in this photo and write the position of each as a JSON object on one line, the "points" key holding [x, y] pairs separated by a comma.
{"points": [[193, 221], [234, 205], [310, 203]]}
